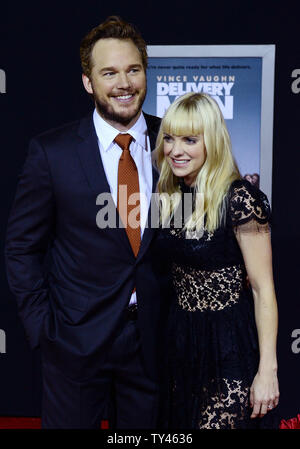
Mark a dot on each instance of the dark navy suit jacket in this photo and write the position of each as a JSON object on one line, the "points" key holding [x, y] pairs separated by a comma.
{"points": [[73, 280]]}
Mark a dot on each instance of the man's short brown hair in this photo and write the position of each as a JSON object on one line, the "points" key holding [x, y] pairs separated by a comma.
{"points": [[113, 27]]}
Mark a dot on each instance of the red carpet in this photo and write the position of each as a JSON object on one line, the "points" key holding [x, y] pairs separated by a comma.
{"points": [[31, 423], [20, 423], [35, 423]]}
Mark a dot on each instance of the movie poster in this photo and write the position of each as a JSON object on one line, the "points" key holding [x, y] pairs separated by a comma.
{"points": [[236, 85]]}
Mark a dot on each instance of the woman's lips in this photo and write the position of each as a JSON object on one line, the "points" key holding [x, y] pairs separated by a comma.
{"points": [[180, 163]]}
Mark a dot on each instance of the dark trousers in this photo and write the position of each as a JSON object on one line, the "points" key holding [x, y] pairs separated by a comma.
{"points": [[121, 392]]}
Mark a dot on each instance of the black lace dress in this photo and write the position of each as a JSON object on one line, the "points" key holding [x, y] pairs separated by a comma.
{"points": [[212, 344]]}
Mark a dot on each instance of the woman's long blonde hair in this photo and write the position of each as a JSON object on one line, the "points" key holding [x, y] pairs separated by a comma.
{"points": [[190, 115]]}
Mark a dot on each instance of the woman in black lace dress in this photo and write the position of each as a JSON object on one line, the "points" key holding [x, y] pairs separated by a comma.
{"points": [[222, 327]]}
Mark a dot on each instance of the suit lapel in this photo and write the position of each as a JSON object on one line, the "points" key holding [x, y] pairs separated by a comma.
{"points": [[153, 124], [149, 229], [89, 155]]}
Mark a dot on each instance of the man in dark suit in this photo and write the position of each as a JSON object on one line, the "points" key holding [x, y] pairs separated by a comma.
{"points": [[87, 294]]}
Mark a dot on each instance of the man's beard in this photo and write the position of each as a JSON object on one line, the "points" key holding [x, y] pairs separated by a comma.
{"points": [[107, 112]]}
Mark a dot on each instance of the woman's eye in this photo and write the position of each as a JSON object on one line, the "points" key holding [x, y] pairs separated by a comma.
{"points": [[190, 140], [167, 138]]}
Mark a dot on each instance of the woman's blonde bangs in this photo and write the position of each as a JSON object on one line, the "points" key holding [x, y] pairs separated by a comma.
{"points": [[183, 120]]}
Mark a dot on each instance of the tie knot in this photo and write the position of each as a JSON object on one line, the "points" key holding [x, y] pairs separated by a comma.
{"points": [[123, 140]]}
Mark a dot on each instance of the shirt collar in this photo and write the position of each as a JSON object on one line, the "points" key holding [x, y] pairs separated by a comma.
{"points": [[107, 133]]}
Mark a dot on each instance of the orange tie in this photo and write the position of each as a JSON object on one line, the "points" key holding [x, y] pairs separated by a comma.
{"points": [[128, 178]]}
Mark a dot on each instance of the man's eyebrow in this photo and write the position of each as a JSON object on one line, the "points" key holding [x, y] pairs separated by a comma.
{"points": [[114, 69], [138, 64], [107, 69]]}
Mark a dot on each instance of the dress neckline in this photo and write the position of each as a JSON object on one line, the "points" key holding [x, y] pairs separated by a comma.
{"points": [[185, 188]]}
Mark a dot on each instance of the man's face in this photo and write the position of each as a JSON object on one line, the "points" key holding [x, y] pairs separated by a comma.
{"points": [[117, 82]]}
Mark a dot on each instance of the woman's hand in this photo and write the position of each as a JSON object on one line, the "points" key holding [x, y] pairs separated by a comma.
{"points": [[264, 393]]}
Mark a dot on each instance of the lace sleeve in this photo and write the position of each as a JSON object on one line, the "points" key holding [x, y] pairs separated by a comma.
{"points": [[249, 208]]}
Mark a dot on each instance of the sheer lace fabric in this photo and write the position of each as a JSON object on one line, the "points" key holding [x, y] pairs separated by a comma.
{"points": [[249, 210], [207, 290], [252, 227], [212, 342], [220, 413]]}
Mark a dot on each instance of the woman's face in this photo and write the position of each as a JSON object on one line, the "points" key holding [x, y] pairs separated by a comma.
{"points": [[185, 155]]}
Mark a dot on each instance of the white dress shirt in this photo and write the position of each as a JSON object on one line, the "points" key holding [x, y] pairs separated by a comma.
{"points": [[141, 153]]}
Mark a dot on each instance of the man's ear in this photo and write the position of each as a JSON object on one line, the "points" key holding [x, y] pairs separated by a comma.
{"points": [[87, 84]]}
